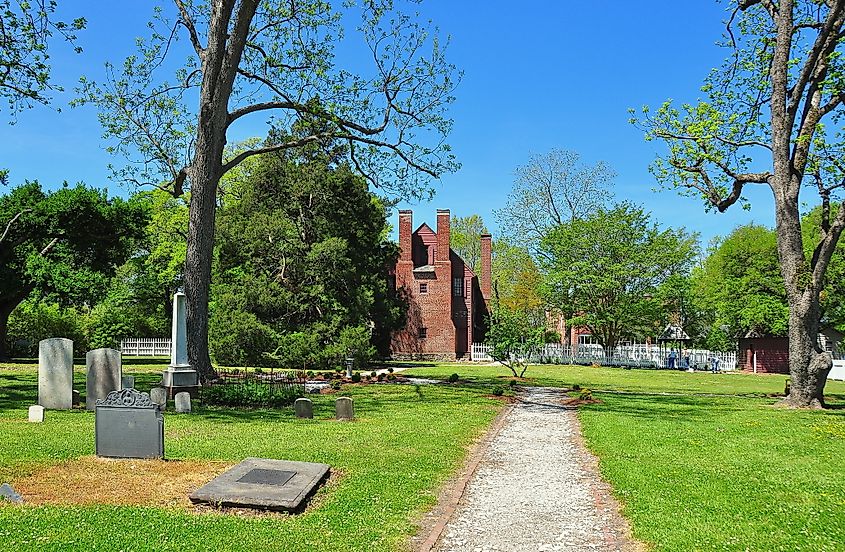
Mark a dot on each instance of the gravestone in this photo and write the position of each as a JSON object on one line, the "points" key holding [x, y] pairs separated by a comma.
{"points": [[159, 396], [55, 373], [36, 413], [304, 408], [264, 484], [183, 402], [128, 424], [103, 375], [8, 493], [344, 409], [76, 398], [179, 375], [127, 382]]}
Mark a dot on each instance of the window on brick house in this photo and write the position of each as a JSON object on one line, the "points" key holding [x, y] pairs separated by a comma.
{"points": [[424, 287], [458, 287], [423, 333]]}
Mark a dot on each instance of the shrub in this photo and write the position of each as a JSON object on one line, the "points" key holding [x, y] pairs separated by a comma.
{"points": [[356, 377], [512, 383], [390, 369], [336, 384], [586, 395], [576, 387], [380, 377], [310, 373], [238, 338], [453, 378], [498, 391], [251, 395], [373, 374]]}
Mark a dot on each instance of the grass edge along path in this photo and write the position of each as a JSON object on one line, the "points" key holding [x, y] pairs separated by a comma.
{"points": [[406, 442]]}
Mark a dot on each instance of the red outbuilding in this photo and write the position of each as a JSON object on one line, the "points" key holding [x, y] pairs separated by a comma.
{"points": [[448, 302]]}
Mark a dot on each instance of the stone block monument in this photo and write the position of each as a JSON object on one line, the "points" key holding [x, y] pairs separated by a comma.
{"points": [[36, 414], [55, 373], [128, 424], [344, 409], [182, 402], [304, 408], [103, 370], [179, 376]]}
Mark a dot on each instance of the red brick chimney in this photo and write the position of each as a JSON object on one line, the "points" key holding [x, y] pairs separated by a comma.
{"points": [[406, 219], [443, 236], [486, 265]]}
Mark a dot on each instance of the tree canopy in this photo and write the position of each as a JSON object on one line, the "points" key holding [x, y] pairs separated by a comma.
{"points": [[465, 239], [607, 268]]}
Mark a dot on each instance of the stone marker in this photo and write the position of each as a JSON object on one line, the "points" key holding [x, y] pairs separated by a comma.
{"points": [[36, 413], [128, 424], [179, 375], [344, 409], [127, 382], [159, 396], [304, 408], [183, 402], [264, 484], [103, 371], [8, 493], [55, 373]]}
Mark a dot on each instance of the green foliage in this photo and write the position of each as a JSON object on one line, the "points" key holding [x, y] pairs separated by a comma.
{"points": [[302, 256], [356, 378], [35, 320], [465, 239], [514, 337], [453, 378], [498, 391], [607, 268], [251, 394], [585, 394], [517, 280]]}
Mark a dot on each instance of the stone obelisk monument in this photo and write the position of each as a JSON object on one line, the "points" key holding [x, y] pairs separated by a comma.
{"points": [[179, 376]]}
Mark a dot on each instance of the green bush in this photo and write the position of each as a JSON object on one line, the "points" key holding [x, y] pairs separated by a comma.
{"points": [[251, 395], [336, 384], [356, 377], [390, 369], [586, 395], [373, 374], [380, 377], [576, 387], [453, 378], [238, 338], [498, 391], [34, 320]]}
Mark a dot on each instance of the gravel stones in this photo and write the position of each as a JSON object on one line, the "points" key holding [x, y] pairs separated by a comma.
{"points": [[536, 489]]}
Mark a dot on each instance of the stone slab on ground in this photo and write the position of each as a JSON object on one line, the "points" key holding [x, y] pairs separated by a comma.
{"points": [[537, 488], [264, 484]]}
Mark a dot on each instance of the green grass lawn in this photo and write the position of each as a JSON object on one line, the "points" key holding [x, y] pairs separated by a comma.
{"points": [[703, 461], [405, 442]]}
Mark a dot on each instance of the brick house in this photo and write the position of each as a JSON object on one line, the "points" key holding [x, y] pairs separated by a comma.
{"points": [[447, 300]]}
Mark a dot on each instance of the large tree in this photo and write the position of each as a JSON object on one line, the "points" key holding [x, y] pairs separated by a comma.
{"points": [[772, 116], [274, 58], [63, 244], [465, 238], [549, 190], [608, 268]]}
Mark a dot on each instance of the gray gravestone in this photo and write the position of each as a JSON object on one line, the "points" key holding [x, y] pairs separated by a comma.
{"points": [[8, 493], [304, 408], [182, 403], [179, 374], [264, 484], [36, 413], [159, 396], [103, 375], [128, 425], [55, 373], [344, 409], [127, 382]]}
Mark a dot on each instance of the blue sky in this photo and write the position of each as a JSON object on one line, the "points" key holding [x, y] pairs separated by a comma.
{"points": [[538, 75]]}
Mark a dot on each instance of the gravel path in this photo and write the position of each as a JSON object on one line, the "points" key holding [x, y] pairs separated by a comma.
{"points": [[536, 489]]}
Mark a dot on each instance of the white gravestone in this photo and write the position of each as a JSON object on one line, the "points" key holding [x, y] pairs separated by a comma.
{"points": [[36, 413], [183, 403], [55, 373], [159, 396], [103, 370], [179, 374]]}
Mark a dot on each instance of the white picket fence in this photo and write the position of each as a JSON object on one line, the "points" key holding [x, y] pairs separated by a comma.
{"points": [[145, 346], [639, 355]]}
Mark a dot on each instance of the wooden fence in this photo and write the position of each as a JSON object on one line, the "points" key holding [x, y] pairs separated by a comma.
{"points": [[145, 346]]}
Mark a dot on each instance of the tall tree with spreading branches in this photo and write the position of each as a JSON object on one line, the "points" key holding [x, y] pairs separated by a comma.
{"points": [[549, 190], [772, 117], [274, 59]]}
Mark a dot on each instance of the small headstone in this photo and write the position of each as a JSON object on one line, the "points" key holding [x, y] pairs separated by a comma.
{"points": [[127, 382], [8, 493], [103, 372], [76, 398], [36, 413], [183, 402], [55, 373], [128, 425], [159, 396], [304, 408], [344, 409]]}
